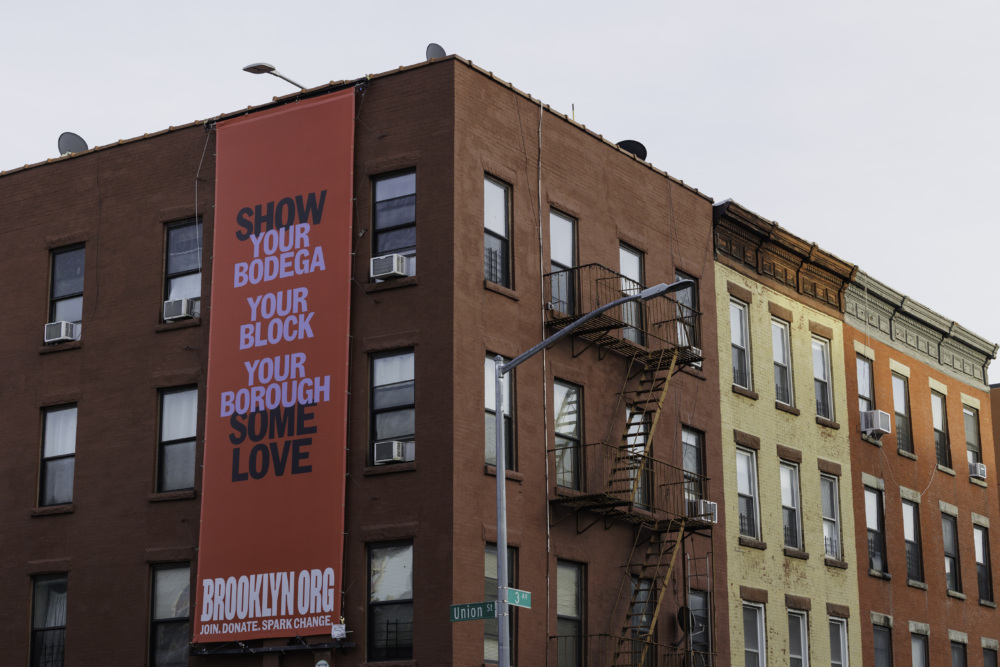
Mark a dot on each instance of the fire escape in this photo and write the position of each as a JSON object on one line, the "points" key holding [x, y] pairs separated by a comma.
{"points": [[620, 481]]}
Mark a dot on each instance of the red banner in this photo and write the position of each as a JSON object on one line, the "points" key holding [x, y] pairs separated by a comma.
{"points": [[272, 513]]}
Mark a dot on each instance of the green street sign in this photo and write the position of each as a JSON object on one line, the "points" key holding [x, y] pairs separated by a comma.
{"points": [[519, 598], [473, 611]]}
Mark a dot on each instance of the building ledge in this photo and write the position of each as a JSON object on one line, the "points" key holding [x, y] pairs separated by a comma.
{"points": [[829, 423], [946, 470], [870, 440], [390, 284], [742, 391], [68, 508], [833, 562], [512, 475], [906, 454], [978, 482], [878, 574], [179, 324], [796, 553], [500, 289], [389, 468], [956, 595], [752, 543], [916, 584], [60, 347], [165, 496], [784, 407], [988, 603]]}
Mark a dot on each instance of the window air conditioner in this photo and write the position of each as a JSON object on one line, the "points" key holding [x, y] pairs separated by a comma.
{"points": [[977, 470], [875, 423], [60, 332], [707, 509], [388, 266], [178, 309], [388, 451]]}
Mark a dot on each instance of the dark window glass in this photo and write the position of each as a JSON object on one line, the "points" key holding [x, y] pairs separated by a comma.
{"points": [[562, 238], [631, 267], [66, 303], [983, 573], [911, 536], [390, 601], [496, 217], [949, 536], [866, 389], [687, 311], [700, 630], [958, 655], [183, 261], [971, 417], [48, 621], [58, 456], [569, 613], [178, 424], [883, 646], [170, 633], [875, 520], [393, 412], [989, 657], [395, 218], [940, 419], [491, 414], [901, 404], [918, 650], [694, 469], [568, 431], [781, 351], [739, 333]]}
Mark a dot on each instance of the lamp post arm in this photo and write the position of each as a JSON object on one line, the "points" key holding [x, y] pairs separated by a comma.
{"points": [[282, 76]]}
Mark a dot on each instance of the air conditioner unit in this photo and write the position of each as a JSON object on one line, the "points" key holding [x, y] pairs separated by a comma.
{"points": [[178, 309], [388, 451], [706, 509], [60, 332], [875, 423], [977, 470], [388, 266]]}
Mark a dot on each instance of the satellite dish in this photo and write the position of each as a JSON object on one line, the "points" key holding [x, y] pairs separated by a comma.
{"points": [[71, 143], [435, 51], [683, 614], [633, 147]]}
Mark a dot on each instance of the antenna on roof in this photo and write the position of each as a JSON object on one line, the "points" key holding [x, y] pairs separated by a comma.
{"points": [[71, 143], [634, 147], [435, 51]]}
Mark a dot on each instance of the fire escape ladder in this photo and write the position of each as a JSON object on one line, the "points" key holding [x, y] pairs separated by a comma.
{"points": [[649, 589]]}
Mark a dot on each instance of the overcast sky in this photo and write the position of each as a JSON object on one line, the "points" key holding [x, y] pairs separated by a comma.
{"points": [[867, 127]]}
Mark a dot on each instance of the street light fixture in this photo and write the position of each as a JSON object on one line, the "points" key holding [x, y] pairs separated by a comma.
{"points": [[501, 370], [265, 68]]}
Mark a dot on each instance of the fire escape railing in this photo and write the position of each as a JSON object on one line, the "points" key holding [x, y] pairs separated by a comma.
{"points": [[600, 651]]}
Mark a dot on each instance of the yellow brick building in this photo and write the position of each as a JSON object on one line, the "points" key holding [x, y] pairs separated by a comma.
{"points": [[793, 582]]}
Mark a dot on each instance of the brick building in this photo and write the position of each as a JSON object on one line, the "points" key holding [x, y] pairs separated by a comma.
{"points": [[793, 592], [522, 220], [926, 494]]}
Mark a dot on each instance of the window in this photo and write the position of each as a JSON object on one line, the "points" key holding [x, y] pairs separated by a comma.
{"points": [[58, 456], [66, 302], [901, 404], [989, 657], [640, 471], [568, 422], [883, 646], [838, 643], [866, 389], [183, 275], [830, 492], [798, 639], [641, 622], [569, 613], [700, 631], [395, 219], [821, 377], [949, 536], [972, 434], [983, 574], [170, 633], [496, 217], [390, 601], [178, 423], [940, 417], [630, 267], [739, 333], [958, 655], [746, 490], [791, 518], [687, 310], [782, 362], [491, 633], [562, 238], [491, 415], [911, 536], [392, 401], [918, 649], [755, 651], [694, 469], [48, 621], [875, 519]]}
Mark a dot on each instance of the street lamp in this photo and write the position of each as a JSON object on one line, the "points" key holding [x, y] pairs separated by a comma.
{"points": [[265, 68], [501, 370]]}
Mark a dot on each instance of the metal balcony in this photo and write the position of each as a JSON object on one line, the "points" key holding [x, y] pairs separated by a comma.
{"points": [[620, 483], [612, 651], [654, 331]]}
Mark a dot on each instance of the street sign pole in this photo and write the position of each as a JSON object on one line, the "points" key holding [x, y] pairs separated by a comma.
{"points": [[503, 652]]}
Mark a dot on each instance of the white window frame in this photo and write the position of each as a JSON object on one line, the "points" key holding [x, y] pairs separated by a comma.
{"points": [[504, 274], [761, 633], [791, 503], [831, 520], [823, 383], [802, 619], [780, 332], [973, 440], [841, 624], [866, 385], [877, 507], [740, 312], [751, 490], [562, 259]]}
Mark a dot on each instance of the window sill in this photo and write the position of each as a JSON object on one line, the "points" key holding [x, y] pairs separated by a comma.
{"points": [[833, 562], [752, 543], [946, 470], [179, 324], [796, 553], [166, 496], [500, 289], [743, 391], [392, 283], [512, 475], [916, 584], [389, 468], [988, 603], [68, 508], [956, 595], [790, 409], [871, 441], [906, 454], [563, 491], [60, 347], [978, 482], [878, 574], [829, 423], [695, 371]]}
